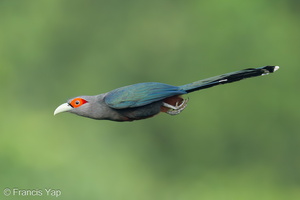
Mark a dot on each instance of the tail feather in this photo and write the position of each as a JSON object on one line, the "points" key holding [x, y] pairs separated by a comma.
{"points": [[228, 78]]}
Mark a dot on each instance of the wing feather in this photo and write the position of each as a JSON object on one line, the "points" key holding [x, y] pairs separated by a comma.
{"points": [[140, 94]]}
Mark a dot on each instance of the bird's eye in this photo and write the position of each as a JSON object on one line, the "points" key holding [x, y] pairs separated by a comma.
{"points": [[77, 102]]}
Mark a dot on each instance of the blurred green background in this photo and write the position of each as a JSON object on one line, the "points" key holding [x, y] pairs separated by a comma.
{"points": [[237, 141]]}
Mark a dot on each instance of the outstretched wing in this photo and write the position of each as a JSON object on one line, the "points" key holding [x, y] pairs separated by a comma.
{"points": [[140, 94]]}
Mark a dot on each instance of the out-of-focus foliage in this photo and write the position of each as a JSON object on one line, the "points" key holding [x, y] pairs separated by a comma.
{"points": [[237, 141]]}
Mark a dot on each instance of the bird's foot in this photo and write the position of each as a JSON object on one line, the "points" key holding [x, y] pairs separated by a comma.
{"points": [[175, 110]]}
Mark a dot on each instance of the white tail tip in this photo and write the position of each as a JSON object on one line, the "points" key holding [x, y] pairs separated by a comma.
{"points": [[276, 68]]}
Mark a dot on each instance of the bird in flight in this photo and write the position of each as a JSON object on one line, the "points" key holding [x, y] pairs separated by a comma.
{"points": [[144, 100]]}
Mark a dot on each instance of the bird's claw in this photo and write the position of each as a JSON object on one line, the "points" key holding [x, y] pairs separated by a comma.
{"points": [[175, 110]]}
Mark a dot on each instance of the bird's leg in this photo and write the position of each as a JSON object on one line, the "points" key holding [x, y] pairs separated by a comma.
{"points": [[174, 110]]}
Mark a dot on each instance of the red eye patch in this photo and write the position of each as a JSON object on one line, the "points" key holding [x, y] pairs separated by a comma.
{"points": [[75, 103]]}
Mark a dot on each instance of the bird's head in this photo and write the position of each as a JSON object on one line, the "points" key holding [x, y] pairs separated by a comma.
{"points": [[86, 106], [78, 105]]}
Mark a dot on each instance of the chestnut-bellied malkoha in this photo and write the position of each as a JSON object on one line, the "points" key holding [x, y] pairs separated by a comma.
{"points": [[144, 100]]}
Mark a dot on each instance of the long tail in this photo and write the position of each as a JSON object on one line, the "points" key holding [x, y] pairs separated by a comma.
{"points": [[228, 78]]}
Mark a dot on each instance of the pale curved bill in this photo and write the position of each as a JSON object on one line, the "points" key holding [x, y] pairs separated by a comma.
{"points": [[63, 108]]}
